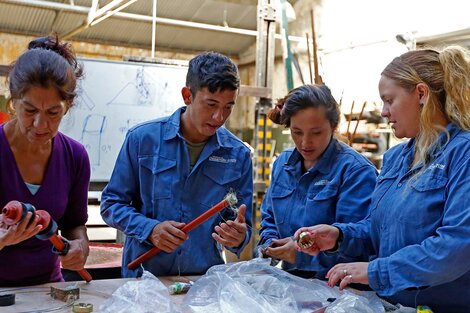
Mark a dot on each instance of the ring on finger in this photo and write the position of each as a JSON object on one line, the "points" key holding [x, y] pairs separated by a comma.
{"points": [[350, 278], [345, 272]]}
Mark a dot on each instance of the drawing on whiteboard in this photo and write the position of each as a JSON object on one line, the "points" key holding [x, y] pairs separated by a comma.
{"points": [[167, 92], [92, 131], [83, 100], [139, 90]]}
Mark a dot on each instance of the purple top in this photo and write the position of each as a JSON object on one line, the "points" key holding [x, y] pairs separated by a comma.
{"points": [[63, 193]]}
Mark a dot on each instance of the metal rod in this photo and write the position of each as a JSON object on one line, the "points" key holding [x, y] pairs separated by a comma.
{"points": [[358, 120], [111, 13], [154, 27], [318, 79], [349, 123], [309, 59]]}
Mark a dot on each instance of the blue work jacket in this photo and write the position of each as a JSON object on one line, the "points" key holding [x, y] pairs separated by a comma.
{"points": [[336, 189], [418, 231], [152, 182]]}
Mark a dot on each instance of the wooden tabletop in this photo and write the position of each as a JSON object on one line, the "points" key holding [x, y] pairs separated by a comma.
{"points": [[38, 299]]}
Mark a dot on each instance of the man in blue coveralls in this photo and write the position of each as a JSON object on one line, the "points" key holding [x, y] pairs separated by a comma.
{"points": [[171, 170]]}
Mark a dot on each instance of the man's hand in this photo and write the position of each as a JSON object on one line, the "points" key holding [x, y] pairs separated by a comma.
{"points": [[282, 249], [232, 233], [167, 236]]}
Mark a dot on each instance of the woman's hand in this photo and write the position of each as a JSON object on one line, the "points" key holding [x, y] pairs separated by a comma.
{"points": [[76, 257], [348, 273], [13, 234], [282, 249], [78, 250], [324, 238]]}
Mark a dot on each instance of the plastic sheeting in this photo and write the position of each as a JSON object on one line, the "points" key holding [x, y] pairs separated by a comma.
{"points": [[255, 286], [146, 295]]}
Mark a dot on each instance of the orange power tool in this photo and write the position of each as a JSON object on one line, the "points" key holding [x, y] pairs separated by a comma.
{"points": [[15, 211]]}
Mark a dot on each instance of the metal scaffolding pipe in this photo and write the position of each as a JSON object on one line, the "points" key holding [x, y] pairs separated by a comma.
{"points": [[154, 27]]}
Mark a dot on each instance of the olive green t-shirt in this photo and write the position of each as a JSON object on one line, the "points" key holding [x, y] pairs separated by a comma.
{"points": [[194, 150]]}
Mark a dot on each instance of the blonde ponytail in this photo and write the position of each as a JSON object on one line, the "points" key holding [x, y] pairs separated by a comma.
{"points": [[456, 67]]}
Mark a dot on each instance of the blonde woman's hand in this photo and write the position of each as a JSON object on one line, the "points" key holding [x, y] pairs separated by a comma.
{"points": [[324, 238]]}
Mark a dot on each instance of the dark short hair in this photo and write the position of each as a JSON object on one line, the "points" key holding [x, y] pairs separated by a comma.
{"points": [[214, 71], [47, 63], [303, 97]]}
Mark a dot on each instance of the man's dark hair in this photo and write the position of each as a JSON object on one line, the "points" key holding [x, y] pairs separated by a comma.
{"points": [[214, 71]]}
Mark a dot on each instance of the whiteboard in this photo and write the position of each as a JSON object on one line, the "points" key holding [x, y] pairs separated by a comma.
{"points": [[114, 96]]}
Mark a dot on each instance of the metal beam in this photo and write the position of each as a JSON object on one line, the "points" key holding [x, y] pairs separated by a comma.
{"points": [[461, 34], [154, 27], [144, 18], [108, 7], [92, 11], [96, 15], [110, 13], [242, 2]]}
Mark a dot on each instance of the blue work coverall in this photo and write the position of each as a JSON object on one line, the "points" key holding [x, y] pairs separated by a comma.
{"points": [[418, 230], [336, 189], [152, 183]]}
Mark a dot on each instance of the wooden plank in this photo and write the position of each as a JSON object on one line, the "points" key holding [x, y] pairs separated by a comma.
{"points": [[258, 92], [4, 70]]}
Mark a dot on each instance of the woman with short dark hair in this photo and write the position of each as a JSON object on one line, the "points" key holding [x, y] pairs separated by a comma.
{"points": [[321, 180]]}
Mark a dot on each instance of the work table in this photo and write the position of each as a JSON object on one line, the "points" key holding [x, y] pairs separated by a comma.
{"points": [[38, 299]]}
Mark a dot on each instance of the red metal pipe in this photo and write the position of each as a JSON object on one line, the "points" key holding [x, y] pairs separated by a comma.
{"points": [[230, 199]]}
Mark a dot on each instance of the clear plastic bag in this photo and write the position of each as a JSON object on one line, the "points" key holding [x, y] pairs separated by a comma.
{"points": [[255, 286], [352, 303], [146, 295]]}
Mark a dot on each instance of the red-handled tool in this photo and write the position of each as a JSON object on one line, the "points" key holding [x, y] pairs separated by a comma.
{"points": [[15, 211], [230, 199]]}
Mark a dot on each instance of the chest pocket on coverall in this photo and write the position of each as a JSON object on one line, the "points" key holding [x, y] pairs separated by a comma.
{"points": [[426, 202], [223, 178], [157, 179], [321, 205], [282, 202]]}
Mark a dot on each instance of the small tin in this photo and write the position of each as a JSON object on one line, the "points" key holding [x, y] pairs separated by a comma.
{"points": [[82, 308]]}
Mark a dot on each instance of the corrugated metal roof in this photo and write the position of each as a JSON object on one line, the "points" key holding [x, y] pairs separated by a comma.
{"points": [[133, 27]]}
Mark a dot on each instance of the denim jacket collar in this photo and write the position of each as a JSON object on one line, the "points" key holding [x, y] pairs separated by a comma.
{"points": [[325, 161]]}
